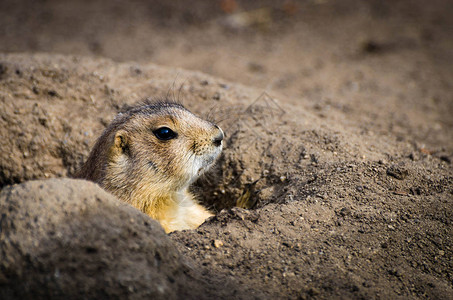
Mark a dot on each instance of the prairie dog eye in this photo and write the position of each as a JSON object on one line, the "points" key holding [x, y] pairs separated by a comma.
{"points": [[165, 133]]}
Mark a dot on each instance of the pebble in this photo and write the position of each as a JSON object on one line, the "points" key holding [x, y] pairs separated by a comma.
{"points": [[218, 243], [397, 172]]}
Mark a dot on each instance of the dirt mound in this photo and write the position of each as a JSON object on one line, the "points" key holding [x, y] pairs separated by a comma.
{"points": [[335, 212], [63, 238], [66, 237]]}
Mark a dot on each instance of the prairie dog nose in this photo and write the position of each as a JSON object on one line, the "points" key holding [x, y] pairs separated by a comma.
{"points": [[219, 138]]}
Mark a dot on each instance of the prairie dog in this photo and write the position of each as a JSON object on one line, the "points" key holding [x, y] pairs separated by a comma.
{"points": [[149, 156]]}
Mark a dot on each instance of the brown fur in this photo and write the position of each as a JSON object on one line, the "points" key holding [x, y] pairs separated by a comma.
{"points": [[153, 175]]}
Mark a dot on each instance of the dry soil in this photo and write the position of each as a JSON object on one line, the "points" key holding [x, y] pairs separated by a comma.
{"points": [[338, 117]]}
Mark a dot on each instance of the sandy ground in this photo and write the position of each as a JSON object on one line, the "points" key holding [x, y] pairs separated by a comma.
{"points": [[341, 111]]}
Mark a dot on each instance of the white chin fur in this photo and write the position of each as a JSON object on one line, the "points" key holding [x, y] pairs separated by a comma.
{"points": [[203, 163]]}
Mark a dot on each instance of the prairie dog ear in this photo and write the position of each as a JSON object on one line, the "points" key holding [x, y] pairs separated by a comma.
{"points": [[120, 143]]}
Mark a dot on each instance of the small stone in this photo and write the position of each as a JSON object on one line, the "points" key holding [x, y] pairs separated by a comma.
{"points": [[217, 243], [397, 172], [345, 211]]}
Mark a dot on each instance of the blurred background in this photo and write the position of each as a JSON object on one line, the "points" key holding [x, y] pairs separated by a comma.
{"points": [[384, 63]]}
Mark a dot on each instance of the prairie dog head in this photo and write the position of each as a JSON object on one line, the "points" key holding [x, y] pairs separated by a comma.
{"points": [[159, 146]]}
